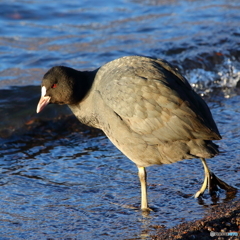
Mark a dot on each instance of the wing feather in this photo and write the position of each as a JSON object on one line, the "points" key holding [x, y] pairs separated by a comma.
{"points": [[156, 102]]}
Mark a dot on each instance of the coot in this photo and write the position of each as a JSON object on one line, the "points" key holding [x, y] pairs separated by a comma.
{"points": [[146, 108]]}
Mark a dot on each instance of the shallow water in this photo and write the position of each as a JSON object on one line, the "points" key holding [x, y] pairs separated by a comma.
{"points": [[60, 179]]}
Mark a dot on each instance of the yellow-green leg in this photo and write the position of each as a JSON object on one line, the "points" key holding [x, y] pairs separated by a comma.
{"points": [[212, 182], [207, 179], [143, 181]]}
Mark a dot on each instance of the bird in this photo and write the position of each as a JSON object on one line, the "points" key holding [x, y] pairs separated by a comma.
{"points": [[147, 109]]}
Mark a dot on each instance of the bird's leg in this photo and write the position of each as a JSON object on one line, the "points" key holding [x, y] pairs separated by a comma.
{"points": [[143, 180], [212, 182], [206, 182]]}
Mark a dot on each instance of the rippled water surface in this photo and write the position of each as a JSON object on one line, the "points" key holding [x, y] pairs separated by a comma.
{"points": [[60, 179]]}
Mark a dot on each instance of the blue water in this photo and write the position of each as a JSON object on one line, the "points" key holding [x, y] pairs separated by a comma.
{"points": [[60, 179]]}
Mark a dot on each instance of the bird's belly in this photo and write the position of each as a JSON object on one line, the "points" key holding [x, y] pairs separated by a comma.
{"points": [[137, 151], [144, 153]]}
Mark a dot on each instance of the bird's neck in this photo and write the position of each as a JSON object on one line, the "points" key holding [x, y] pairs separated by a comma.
{"points": [[83, 85]]}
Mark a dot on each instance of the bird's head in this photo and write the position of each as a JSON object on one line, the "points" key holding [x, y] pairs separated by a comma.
{"points": [[60, 85]]}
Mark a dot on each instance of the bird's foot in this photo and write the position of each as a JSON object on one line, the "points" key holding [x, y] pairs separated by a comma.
{"points": [[148, 209], [213, 184], [216, 181]]}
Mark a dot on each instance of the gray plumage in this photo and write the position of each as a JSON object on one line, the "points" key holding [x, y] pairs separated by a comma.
{"points": [[149, 111], [145, 107]]}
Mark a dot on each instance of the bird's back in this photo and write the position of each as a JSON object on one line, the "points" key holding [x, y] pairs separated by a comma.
{"points": [[130, 85]]}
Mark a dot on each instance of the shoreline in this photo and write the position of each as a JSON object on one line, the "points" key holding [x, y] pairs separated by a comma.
{"points": [[222, 221]]}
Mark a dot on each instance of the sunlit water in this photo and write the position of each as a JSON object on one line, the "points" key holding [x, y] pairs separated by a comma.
{"points": [[60, 179]]}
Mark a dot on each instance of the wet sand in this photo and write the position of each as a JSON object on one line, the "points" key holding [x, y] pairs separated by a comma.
{"points": [[221, 219]]}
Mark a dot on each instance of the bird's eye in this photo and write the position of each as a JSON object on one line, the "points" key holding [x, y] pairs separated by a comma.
{"points": [[54, 85]]}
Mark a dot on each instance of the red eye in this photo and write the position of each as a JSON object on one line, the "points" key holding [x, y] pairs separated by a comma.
{"points": [[54, 85]]}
